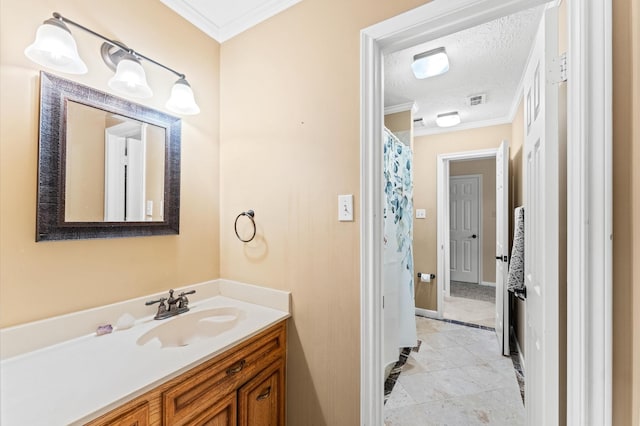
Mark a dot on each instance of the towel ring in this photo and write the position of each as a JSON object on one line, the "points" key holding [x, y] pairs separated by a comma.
{"points": [[250, 214]]}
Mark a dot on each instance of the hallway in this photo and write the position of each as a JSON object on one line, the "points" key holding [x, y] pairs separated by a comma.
{"points": [[458, 377]]}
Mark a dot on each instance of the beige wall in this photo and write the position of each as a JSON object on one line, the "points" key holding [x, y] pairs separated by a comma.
{"points": [[626, 213], [84, 172], [635, 212], [154, 173], [38, 280], [288, 149], [400, 124], [486, 168], [426, 151]]}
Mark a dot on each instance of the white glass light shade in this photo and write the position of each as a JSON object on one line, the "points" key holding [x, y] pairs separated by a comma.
{"points": [[55, 48], [130, 79], [448, 119], [431, 63], [182, 100]]}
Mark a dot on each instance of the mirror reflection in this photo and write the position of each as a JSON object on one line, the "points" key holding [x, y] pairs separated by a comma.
{"points": [[114, 168]]}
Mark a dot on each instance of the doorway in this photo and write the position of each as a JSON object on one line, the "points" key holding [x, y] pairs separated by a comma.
{"points": [[592, 347], [470, 295], [490, 309]]}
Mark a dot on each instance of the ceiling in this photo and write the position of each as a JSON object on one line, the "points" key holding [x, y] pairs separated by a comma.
{"points": [[488, 59], [224, 19]]}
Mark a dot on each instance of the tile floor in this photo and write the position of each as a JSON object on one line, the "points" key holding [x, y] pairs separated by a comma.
{"points": [[458, 377], [470, 310]]}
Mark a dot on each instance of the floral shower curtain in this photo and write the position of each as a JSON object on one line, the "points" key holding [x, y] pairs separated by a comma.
{"points": [[398, 277]]}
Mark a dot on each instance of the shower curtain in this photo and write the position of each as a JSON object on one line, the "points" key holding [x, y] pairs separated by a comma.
{"points": [[398, 276]]}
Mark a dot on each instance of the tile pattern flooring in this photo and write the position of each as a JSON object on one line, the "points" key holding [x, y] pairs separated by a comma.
{"points": [[470, 310], [475, 291], [458, 377]]}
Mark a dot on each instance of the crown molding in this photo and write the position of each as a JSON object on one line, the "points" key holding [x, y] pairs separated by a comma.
{"points": [[399, 108], [182, 8], [417, 131], [236, 26]]}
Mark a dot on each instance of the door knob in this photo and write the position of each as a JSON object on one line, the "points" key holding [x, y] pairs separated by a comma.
{"points": [[474, 236]]}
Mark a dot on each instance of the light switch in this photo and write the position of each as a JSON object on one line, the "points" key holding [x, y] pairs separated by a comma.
{"points": [[149, 208], [421, 213], [345, 208]]}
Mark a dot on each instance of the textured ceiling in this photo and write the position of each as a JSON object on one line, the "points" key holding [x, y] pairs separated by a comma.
{"points": [[487, 59], [223, 19]]}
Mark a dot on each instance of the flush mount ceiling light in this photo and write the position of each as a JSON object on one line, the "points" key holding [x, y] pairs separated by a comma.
{"points": [[448, 119], [56, 48], [431, 63]]}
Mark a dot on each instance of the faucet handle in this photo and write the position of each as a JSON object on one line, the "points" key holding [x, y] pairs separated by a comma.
{"points": [[162, 308], [183, 301], [153, 302]]}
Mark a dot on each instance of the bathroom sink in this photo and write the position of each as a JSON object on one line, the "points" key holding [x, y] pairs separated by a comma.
{"points": [[192, 326]]}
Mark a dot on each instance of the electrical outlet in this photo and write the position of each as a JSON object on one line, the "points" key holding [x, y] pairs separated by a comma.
{"points": [[421, 213], [345, 208]]}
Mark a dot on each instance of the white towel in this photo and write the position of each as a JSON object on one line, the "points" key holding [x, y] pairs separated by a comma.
{"points": [[515, 281]]}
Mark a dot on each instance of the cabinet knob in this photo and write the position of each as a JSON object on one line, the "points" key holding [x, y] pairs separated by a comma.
{"points": [[264, 394]]}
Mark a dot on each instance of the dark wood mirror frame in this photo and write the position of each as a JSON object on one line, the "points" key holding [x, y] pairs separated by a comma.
{"points": [[55, 92]]}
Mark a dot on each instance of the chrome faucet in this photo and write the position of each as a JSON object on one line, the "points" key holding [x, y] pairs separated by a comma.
{"points": [[174, 306]]}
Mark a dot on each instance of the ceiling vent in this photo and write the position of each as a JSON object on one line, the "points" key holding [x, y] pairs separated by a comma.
{"points": [[474, 100], [419, 121]]}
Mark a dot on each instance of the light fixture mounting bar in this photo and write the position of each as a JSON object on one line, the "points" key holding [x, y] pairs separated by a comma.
{"points": [[116, 43]]}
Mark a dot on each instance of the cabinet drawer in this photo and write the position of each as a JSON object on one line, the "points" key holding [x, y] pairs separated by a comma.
{"points": [[136, 414], [221, 377]]}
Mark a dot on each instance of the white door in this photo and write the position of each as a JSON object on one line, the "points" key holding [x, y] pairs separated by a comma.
{"points": [[464, 224], [502, 246], [541, 177], [135, 180], [115, 177]]}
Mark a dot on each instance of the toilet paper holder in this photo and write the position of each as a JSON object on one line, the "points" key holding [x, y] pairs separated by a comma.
{"points": [[431, 276]]}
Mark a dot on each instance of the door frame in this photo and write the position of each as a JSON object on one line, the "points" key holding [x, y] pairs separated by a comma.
{"points": [[589, 200], [443, 269]]}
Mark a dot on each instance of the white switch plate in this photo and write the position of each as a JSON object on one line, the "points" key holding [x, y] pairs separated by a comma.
{"points": [[345, 208], [421, 213], [149, 209]]}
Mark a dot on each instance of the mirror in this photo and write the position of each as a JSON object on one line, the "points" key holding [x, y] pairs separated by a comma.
{"points": [[114, 168], [107, 167]]}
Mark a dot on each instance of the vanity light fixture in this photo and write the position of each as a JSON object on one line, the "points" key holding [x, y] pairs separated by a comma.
{"points": [[130, 78], [448, 119], [431, 63], [56, 48]]}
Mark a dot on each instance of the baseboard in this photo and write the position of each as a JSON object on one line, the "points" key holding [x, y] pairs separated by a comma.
{"points": [[488, 284]]}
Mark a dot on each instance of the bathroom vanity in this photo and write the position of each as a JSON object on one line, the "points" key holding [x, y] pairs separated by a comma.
{"points": [[221, 363], [242, 386]]}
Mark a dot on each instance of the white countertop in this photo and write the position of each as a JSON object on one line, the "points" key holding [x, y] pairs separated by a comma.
{"points": [[79, 379]]}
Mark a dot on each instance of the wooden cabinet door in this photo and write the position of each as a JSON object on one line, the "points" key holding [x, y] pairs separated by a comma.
{"points": [[261, 400], [223, 413]]}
